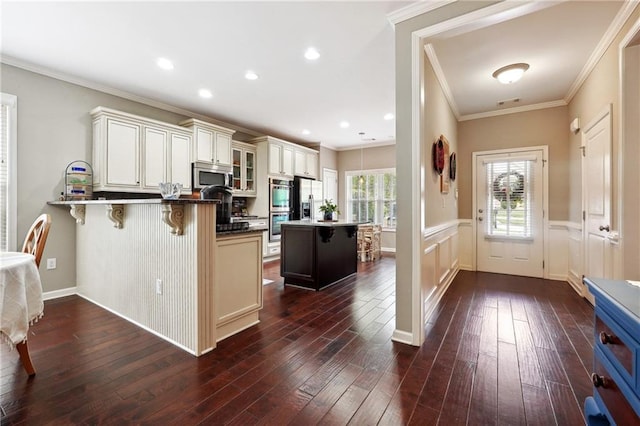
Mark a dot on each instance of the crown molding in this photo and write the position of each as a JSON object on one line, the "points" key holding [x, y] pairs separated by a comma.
{"points": [[9, 60], [442, 79], [524, 108], [616, 26], [365, 146], [415, 9]]}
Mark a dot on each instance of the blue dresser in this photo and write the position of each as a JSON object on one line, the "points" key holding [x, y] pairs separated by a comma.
{"points": [[616, 357]]}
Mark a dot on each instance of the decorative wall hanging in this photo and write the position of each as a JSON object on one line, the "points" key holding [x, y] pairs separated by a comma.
{"points": [[444, 176], [452, 166], [438, 155], [508, 186]]}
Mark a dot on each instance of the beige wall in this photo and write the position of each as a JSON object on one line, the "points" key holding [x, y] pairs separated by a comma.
{"points": [[541, 127], [380, 157], [54, 128], [600, 89], [438, 120], [328, 160]]}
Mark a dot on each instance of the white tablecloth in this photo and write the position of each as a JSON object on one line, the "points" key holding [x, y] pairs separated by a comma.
{"points": [[20, 295]]}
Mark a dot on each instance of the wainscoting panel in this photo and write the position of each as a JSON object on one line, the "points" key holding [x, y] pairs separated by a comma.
{"points": [[558, 251], [465, 244], [574, 272], [439, 264]]}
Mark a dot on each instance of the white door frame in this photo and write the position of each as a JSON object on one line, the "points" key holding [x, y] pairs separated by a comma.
{"points": [[545, 201]]}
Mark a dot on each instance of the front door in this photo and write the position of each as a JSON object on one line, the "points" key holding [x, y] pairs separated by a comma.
{"points": [[509, 213], [597, 196]]}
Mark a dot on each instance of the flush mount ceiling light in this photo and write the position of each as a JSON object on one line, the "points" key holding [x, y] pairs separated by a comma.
{"points": [[306, 132], [164, 63], [389, 116], [344, 124], [312, 54], [510, 73], [250, 75]]}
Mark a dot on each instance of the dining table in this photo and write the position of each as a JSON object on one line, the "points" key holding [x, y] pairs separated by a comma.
{"points": [[20, 298]]}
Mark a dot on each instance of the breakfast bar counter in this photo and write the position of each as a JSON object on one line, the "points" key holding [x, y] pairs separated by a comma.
{"points": [[317, 254]]}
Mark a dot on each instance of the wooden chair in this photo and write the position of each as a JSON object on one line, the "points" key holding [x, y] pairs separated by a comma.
{"points": [[37, 237], [369, 242], [34, 244]]}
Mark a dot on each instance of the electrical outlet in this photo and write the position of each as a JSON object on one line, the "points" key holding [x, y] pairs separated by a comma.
{"points": [[158, 286], [51, 263]]}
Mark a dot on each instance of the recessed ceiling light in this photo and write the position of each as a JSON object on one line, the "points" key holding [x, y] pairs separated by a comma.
{"points": [[306, 132], [389, 116], [510, 73], [250, 75], [164, 63], [205, 93], [344, 124], [312, 54]]}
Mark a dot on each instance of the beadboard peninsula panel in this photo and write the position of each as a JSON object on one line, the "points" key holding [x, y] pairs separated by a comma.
{"points": [[119, 269]]}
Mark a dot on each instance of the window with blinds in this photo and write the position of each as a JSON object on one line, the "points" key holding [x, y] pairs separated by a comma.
{"points": [[371, 196], [510, 198], [4, 177]]}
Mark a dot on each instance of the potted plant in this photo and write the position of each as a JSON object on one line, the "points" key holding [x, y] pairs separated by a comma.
{"points": [[328, 208]]}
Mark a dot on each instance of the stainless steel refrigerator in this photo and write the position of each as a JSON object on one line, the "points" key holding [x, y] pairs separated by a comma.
{"points": [[307, 198]]}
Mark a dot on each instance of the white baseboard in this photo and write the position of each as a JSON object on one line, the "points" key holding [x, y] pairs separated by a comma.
{"points": [[388, 249], [55, 294], [558, 277], [402, 337], [436, 296], [576, 283]]}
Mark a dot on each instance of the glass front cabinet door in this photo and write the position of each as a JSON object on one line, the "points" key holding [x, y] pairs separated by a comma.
{"points": [[244, 169]]}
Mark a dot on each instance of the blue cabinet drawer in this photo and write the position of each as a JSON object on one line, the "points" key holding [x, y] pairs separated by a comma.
{"points": [[617, 345], [612, 394]]}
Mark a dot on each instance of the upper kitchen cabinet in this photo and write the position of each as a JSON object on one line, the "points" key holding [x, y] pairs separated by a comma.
{"points": [[135, 154], [244, 169], [306, 162], [279, 156], [211, 143]]}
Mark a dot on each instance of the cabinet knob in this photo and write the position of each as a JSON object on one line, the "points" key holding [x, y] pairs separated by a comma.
{"points": [[604, 228], [599, 381], [606, 338]]}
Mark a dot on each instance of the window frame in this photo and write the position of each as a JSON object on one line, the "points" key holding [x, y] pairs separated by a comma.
{"points": [[368, 172], [11, 102]]}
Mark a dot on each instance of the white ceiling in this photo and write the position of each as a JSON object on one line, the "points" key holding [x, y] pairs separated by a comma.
{"points": [[212, 44]]}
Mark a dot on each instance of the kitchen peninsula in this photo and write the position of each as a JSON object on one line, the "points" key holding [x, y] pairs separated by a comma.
{"points": [[318, 254], [160, 264]]}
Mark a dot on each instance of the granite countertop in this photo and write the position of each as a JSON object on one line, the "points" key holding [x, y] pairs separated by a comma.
{"points": [[135, 201], [318, 223]]}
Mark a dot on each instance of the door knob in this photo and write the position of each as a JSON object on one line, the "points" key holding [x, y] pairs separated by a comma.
{"points": [[480, 210], [479, 218], [604, 228]]}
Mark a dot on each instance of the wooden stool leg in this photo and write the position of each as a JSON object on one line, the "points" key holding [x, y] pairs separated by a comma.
{"points": [[23, 350]]}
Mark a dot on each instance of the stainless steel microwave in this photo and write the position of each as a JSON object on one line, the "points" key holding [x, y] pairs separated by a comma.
{"points": [[203, 174]]}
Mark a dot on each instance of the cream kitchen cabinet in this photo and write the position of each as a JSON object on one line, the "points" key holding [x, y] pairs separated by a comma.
{"points": [[306, 163], [280, 159], [238, 289], [244, 169], [211, 143], [134, 154]]}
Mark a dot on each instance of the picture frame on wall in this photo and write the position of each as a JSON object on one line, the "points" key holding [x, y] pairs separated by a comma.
{"points": [[445, 176]]}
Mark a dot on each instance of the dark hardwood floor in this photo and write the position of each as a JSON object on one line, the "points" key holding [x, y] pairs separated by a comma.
{"points": [[498, 350]]}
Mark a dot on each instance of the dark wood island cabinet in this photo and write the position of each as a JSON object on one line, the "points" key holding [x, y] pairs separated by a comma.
{"points": [[316, 254]]}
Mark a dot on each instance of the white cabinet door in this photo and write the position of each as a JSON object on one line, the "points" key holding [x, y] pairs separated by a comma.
{"points": [[123, 147], [249, 172], [300, 163], [275, 158], [287, 160], [204, 142], [222, 149], [312, 164], [180, 160], [154, 157]]}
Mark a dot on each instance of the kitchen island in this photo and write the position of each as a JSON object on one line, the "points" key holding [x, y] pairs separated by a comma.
{"points": [[161, 265], [317, 254]]}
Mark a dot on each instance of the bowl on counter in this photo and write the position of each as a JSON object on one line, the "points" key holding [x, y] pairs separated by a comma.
{"points": [[170, 191]]}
